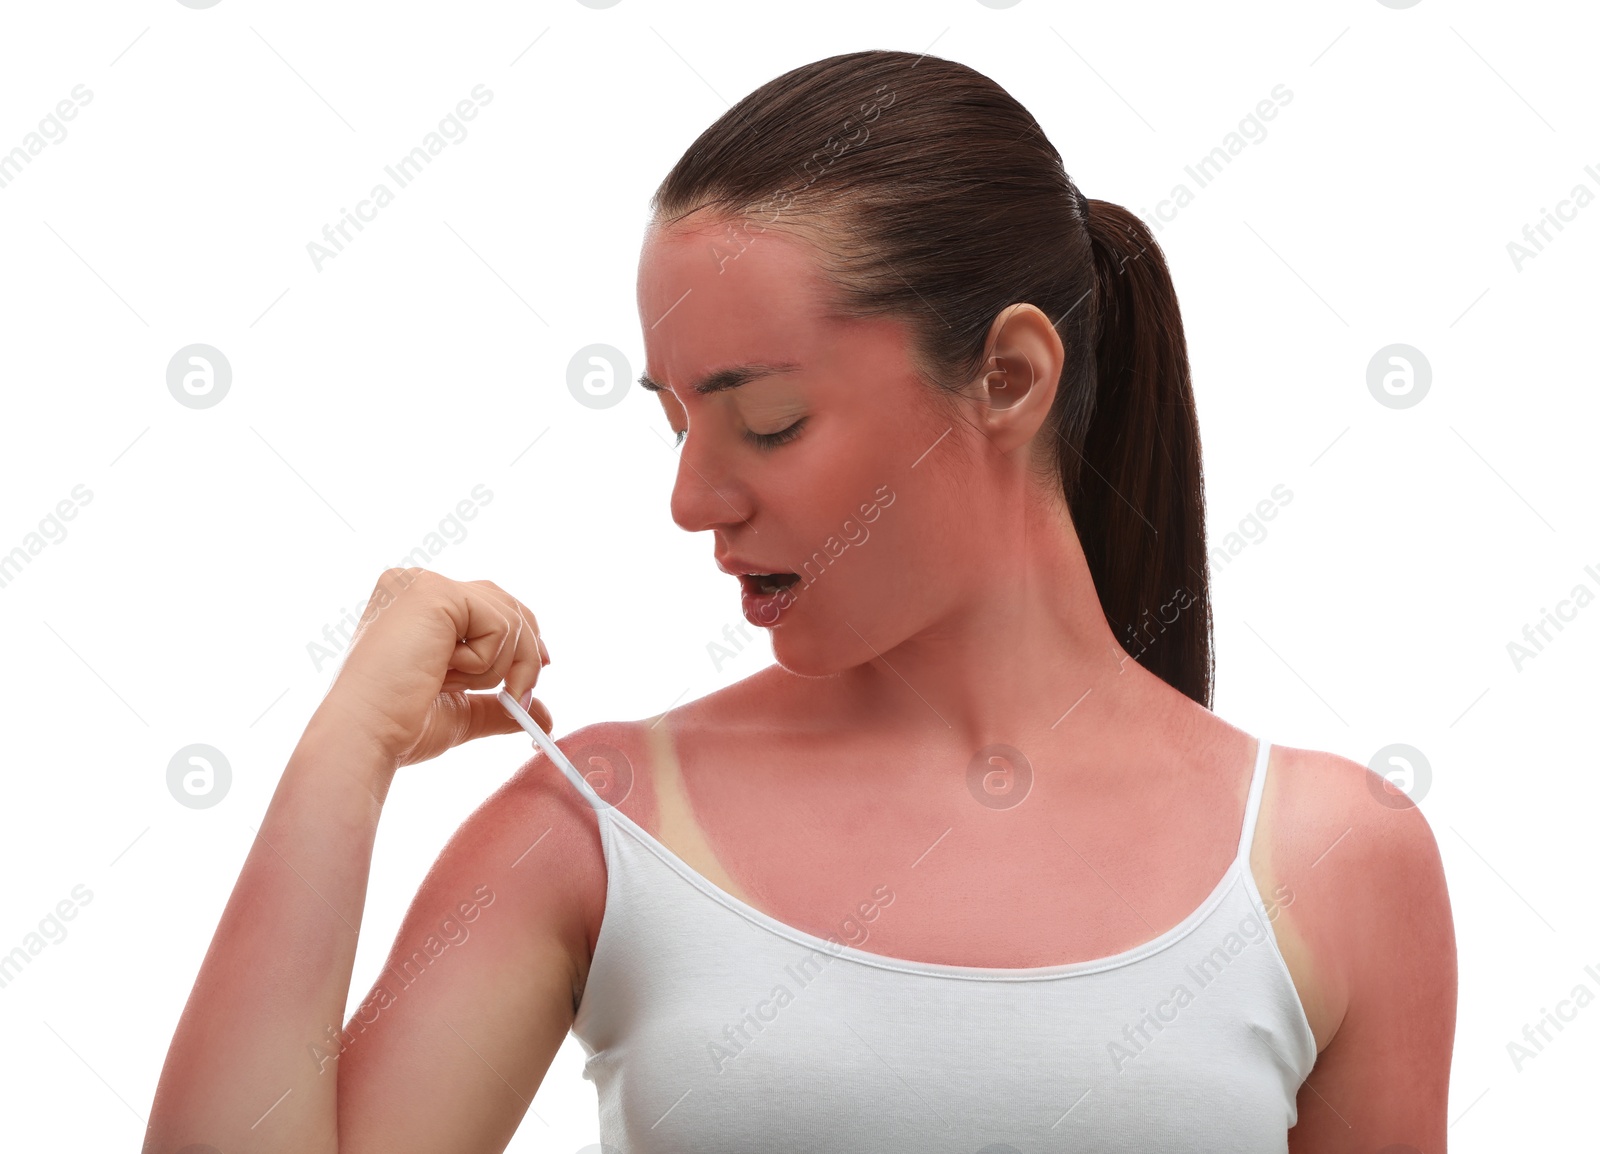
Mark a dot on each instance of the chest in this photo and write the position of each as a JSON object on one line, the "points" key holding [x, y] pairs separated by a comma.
{"points": [[943, 868]]}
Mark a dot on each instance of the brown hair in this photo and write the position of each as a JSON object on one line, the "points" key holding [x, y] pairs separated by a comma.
{"points": [[933, 196]]}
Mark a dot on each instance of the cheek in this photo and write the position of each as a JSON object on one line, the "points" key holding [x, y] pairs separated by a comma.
{"points": [[877, 519], [889, 542], [933, 531]]}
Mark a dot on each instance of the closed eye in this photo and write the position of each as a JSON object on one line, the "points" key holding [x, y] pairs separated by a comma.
{"points": [[782, 436]]}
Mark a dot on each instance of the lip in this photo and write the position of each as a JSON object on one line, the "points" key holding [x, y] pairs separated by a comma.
{"points": [[738, 567], [765, 609], [760, 609]]}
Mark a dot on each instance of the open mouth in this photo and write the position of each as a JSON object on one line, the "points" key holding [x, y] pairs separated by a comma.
{"points": [[759, 584]]}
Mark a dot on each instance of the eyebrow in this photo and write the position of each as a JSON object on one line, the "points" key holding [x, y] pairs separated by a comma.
{"points": [[724, 379]]}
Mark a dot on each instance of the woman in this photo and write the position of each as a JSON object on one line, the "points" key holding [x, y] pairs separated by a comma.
{"points": [[973, 866]]}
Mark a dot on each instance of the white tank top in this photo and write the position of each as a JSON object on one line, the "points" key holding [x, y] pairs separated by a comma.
{"points": [[712, 1027]]}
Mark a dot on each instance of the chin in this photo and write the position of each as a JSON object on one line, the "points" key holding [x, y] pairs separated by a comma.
{"points": [[811, 652], [805, 660]]}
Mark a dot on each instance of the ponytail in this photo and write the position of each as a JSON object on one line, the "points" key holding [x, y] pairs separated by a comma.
{"points": [[1138, 504]]}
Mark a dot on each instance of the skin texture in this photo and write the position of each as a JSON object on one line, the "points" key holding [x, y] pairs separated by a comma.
{"points": [[966, 617]]}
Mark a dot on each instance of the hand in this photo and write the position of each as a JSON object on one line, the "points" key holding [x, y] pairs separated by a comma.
{"points": [[422, 642]]}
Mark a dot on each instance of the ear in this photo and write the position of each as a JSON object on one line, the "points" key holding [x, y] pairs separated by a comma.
{"points": [[1023, 358]]}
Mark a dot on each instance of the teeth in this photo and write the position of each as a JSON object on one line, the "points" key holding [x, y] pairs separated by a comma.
{"points": [[762, 585]]}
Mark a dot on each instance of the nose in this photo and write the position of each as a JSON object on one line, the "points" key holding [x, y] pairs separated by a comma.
{"points": [[706, 494]]}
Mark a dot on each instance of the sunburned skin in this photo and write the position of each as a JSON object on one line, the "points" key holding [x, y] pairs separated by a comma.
{"points": [[958, 616], [967, 617]]}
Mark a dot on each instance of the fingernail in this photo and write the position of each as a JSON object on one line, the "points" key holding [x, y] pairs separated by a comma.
{"points": [[526, 700]]}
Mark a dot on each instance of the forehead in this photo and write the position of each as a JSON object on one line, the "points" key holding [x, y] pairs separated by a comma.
{"points": [[717, 293]]}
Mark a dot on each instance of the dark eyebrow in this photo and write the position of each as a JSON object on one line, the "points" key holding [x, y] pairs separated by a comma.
{"points": [[724, 379]]}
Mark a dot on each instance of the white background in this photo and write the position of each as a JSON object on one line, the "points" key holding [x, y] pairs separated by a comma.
{"points": [[430, 356]]}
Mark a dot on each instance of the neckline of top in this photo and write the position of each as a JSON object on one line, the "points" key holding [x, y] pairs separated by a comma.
{"points": [[1230, 877]]}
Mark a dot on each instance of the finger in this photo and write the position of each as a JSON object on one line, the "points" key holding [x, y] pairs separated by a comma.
{"points": [[483, 638], [517, 667], [530, 653], [492, 626], [509, 599]]}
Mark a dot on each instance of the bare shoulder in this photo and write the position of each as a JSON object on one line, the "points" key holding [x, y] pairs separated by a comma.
{"points": [[1315, 793], [559, 831], [1360, 869], [620, 761]]}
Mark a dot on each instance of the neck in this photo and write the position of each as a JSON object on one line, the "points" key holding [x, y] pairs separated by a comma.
{"points": [[1021, 654]]}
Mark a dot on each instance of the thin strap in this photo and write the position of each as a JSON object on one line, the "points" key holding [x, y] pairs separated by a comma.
{"points": [[1252, 805], [542, 740]]}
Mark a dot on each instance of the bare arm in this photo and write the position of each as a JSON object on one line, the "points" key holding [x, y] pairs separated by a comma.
{"points": [[1384, 1079], [278, 969], [450, 1044], [246, 1069]]}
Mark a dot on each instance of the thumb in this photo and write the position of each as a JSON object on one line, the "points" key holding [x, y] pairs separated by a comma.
{"points": [[489, 717]]}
